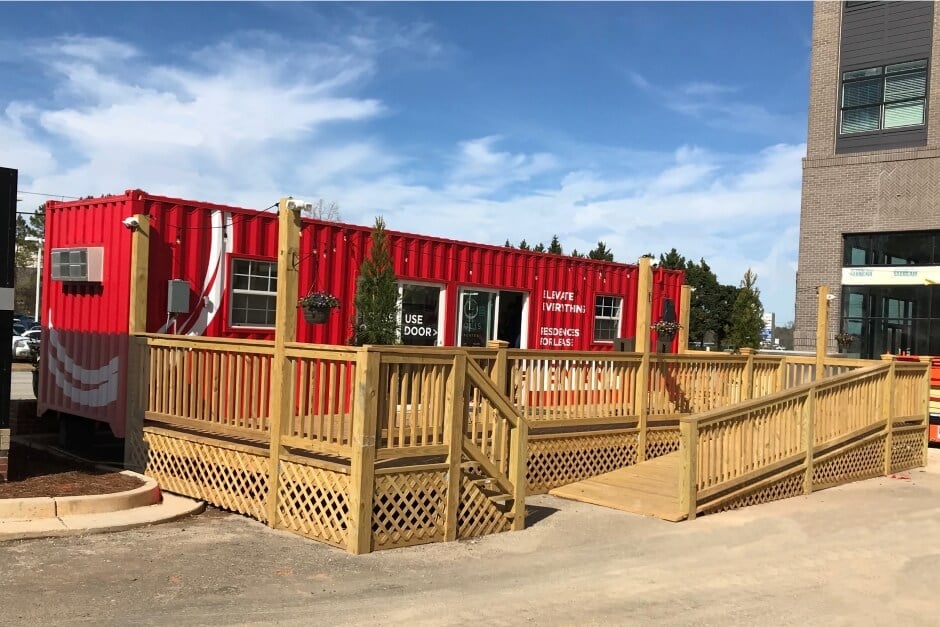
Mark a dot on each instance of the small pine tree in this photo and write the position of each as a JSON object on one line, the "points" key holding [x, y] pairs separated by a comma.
{"points": [[601, 252], [555, 246], [376, 294], [508, 244], [576, 254], [523, 245], [539, 248], [746, 314]]}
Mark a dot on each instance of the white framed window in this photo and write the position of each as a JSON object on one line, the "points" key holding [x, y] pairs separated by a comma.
{"points": [[254, 293], [607, 318]]}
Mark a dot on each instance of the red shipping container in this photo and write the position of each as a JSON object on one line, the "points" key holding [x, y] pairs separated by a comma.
{"points": [[452, 293]]}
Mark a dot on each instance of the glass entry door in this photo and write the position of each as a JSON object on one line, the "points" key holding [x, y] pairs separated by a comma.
{"points": [[477, 317]]}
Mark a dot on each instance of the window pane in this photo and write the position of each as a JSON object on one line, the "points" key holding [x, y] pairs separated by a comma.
{"points": [[420, 307], [900, 249], [855, 250], [857, 120], [872, 71], [903, 67], [861, 93], [905, 86], [904, 114], [605, 330]]}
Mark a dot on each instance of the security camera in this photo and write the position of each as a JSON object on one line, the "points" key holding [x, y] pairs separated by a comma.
{"points": [[298, 205], [131, 223], [830, 296]]}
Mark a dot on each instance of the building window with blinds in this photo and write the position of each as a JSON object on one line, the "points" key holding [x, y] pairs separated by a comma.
{"points": [[884, 97]]}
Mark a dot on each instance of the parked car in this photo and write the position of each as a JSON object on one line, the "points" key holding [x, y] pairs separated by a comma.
{"points": [[22, 348]]}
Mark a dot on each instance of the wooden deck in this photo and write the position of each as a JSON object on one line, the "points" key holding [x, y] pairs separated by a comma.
{"points": [[650, 488]]}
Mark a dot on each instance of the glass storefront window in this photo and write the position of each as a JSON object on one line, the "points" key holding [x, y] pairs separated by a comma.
{"points": [[477, 319], [909, 248], [419, 324]]}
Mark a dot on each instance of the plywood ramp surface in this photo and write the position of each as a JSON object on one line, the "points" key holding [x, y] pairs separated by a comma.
{"points": [[650, 488]]}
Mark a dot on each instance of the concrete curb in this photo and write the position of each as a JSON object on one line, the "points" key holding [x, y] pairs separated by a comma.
{"points": [[172, 508], [43, 517], [52, 507]]}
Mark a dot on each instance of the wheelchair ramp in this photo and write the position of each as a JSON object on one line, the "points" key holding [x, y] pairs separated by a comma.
{"points": [[650, 488]]}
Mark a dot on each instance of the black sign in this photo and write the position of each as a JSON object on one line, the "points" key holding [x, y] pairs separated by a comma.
{"points": [[8, 181]]}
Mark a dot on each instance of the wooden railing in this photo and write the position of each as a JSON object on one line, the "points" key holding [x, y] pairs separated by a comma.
{"points": [[775, 440], [371, 412]]}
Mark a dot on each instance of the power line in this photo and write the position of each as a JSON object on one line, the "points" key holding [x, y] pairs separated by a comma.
{"points": [[62, 196]]}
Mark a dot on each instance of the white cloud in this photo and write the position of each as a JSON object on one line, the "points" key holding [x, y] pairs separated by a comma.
{"points": [[237, 124]]}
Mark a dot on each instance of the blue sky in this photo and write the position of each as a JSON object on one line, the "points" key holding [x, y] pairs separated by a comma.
{"points": [[646, 125]]}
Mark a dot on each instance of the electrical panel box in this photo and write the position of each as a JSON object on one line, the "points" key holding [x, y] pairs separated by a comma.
{"points": [[84, 264], [177, 296]]}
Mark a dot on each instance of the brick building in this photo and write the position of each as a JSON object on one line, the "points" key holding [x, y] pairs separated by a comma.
{"points": [[871, 178]]}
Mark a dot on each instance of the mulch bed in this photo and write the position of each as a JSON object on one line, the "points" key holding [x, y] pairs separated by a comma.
{"points": [[36, 473]]}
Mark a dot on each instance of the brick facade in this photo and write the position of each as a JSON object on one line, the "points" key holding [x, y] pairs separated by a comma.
{"points": [[888, 190]]}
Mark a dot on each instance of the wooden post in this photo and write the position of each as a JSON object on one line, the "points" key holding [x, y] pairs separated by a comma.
{"points": [[685, 309], [280, 408], [747, 392], [498, 375], [688, 477], [138, 379], [822, 329], [887, 413], [644, 304], [518, 463], [642, 406], [455, 413], [809, 434], [362, 462], [782, 374]]}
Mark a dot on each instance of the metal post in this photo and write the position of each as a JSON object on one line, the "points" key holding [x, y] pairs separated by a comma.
{"points": [[8, 182]]}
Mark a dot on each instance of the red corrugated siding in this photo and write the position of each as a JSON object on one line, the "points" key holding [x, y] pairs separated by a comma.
{"points": [[84, 358], [195, 241]]}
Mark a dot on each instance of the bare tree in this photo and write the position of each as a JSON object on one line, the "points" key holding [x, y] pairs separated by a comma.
{"points": [[322, 210]]}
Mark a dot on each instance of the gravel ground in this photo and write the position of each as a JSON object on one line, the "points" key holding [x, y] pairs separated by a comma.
{"points": [[856, 555]]}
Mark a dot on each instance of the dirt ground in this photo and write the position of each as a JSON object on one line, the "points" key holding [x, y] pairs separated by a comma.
{"points": [[35, 473], [863, 554]]}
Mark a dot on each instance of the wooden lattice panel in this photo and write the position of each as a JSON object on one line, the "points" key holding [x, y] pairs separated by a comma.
{"points": [[408, 509], [231, 479], [479, 515], [908, 450], [787, 487], [135, 455], [313, 502], [565, 459], [862, 461], [661, 442]]}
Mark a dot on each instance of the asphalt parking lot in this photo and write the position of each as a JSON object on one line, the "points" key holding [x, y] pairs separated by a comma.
{"points": [[861, 554]]}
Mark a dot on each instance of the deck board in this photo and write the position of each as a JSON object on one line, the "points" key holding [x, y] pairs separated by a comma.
{"points": [[650, 488]]}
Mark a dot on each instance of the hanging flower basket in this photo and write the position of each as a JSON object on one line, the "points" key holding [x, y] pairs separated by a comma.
{"points": [[317, 306], [316, 316], [666, 330], [844, 340]]}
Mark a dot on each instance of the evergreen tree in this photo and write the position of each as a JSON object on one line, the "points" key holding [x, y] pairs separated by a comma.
{"points": [[576, 254], [672, 260], [746, 322], [555, 246], [539, 248], [508, 244], [601, 252], [33, 229], [377, 293], [523, 245]]}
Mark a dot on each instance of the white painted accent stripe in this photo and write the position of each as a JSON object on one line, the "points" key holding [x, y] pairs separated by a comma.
{"points": [[6, 299]]}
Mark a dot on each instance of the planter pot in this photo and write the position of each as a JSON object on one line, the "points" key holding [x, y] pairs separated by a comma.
{"points": [[665, 336], [316, 316]]}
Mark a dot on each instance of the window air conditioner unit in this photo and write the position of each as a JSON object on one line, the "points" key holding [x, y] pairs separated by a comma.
{"points": [[85, 264]]}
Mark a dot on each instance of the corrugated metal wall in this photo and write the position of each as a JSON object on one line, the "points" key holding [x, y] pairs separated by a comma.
{"points": [[196, 241]]}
